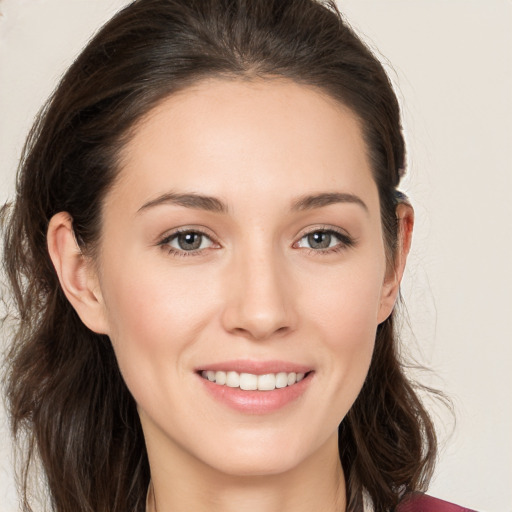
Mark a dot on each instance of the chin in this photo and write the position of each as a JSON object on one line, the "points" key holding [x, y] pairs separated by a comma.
{"points": [[263, 455], [262, 464]]}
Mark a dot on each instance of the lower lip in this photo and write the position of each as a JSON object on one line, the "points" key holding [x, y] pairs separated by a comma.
{"points": [[257, 402]]}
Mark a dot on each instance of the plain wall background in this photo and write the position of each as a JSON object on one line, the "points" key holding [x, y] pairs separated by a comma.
{"points": [[452, 65]]}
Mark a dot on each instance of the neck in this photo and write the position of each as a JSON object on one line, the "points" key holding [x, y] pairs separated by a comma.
{"points": [[181, 485]]}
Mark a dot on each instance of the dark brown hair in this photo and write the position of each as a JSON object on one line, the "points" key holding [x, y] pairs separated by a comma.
{"points": [[67, 400]]}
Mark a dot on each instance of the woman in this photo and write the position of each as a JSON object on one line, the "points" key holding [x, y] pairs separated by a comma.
{"points": [[205, 253]]}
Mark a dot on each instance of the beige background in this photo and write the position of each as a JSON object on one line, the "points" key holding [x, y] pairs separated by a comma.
{"points": [[452, 64]]}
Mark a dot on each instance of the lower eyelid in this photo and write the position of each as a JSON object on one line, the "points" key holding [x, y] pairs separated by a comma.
{"points": [[180, 253]]}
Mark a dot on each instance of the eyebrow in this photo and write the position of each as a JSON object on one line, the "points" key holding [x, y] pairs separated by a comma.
{"points": [[310, 202], [190, 200], [213, 204]]}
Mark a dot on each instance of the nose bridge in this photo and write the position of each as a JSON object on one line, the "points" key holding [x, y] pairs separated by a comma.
{"points": [[259, 297]]}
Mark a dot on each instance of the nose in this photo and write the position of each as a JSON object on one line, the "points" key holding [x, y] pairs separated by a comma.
{"points": [[260, 296]]}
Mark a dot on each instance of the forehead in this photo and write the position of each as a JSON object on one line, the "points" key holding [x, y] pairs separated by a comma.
{"points": [[230, 137]]}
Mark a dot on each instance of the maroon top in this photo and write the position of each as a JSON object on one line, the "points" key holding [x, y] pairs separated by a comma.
{"points": [[424, 503]]}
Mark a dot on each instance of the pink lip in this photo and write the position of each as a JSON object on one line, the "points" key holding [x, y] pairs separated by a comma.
{"points": [[256, 402], [255, 367]]}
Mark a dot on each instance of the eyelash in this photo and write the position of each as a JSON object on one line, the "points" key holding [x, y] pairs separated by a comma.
{"points": [[180, 252], [345, 242]]}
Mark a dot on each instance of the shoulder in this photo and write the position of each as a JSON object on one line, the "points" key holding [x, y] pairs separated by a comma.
{"points": [[424, 503]]}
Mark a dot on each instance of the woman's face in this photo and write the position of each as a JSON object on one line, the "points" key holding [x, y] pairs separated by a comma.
{"points": [[243, 238]]}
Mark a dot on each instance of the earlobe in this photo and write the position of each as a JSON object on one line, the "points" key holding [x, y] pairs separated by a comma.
{"points": [[391, 287], [77, 278]]}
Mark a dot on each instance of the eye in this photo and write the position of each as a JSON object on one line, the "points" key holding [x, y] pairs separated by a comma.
{"points": [[189, 241], [325, 239]]}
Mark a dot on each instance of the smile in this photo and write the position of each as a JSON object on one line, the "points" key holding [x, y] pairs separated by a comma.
{"points": [[253, 382]]}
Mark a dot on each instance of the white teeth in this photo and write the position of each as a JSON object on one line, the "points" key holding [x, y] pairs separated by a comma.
{"points": [[232, 379], [250, 382], [220, 378], [281, 380], [267, 382]]}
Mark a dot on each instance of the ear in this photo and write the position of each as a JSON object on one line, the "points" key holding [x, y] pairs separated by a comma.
{"points": [[391, 286], [76, 273]]}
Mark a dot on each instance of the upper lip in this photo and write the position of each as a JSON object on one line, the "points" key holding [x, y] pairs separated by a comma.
{"points": [[255, 367]]}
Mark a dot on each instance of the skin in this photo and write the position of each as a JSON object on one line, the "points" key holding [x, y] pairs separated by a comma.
{"points": [[255, 290]]}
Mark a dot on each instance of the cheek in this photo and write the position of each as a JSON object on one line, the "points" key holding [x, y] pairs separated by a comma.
{"points": [[346, 302], [155, 317], [151, 303], [344, 313]]}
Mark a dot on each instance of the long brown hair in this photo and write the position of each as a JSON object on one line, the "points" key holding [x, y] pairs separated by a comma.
{"points": [[67, 400]]}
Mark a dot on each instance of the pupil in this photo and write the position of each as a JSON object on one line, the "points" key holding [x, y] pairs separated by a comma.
{"points": [[189, 241], [319, 240]]}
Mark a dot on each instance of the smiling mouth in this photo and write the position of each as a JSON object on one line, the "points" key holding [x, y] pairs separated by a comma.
{"points": [[252, 382]]}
